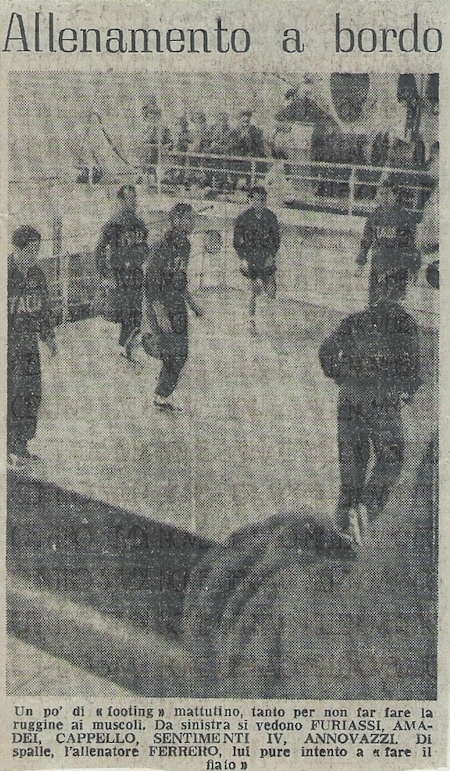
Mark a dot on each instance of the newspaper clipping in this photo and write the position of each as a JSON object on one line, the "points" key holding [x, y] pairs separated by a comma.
{"points": [[224, 549]]}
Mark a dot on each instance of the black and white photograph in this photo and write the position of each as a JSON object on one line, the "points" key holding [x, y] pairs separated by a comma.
{"points": [[222, 383]]}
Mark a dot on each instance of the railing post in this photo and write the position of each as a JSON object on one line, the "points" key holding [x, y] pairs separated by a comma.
{"points": [[62, 266], [57, 244], [351, 192], [253, 173]]}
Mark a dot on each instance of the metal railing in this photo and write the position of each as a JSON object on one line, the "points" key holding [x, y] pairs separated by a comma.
{"points": [[341, 188]]}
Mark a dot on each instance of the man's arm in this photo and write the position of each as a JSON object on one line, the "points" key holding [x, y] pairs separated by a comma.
{"points": [[192, 304], [46, 328], [332, 351], [413, 354], [366, 242], [103, 252], [275, 233], [155, 313], [239, 239]]}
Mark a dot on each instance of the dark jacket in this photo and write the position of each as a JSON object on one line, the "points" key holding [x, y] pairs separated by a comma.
{"points": [[257, 239], [390, 234], [166, 279], [29, 312], [375, 350], [122, 250]]}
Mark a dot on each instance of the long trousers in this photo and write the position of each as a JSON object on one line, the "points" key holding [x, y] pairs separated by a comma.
{"points": [[368, 429], [130, 314], [174, 353], [24, 396]]}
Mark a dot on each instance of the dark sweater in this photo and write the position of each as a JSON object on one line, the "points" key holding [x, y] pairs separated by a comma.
{"points": [[166, 279], [390, 234], [375, 350], [123, 249], [257, 239], [29, 314]]}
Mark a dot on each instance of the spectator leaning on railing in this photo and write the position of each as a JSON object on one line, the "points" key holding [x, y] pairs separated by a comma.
{"points": [[247, 139]]}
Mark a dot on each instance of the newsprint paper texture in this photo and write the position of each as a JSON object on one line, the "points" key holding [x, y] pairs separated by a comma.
{"points": [[221, 292]]}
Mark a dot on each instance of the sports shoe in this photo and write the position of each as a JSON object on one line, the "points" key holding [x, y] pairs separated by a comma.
{"points": [[166, 403]]}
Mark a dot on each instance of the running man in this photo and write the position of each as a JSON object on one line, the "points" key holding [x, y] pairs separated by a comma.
{"points": [[29, 319], [256, 241], [390, 233], [374, 359], [120, 256], [165, 317]]}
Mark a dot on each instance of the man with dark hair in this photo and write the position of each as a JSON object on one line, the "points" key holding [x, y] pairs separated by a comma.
{"points": [[29, 319], [256, 241], [120, 255], [390, 233], [374, 358], [165, 318], [247, 139]]}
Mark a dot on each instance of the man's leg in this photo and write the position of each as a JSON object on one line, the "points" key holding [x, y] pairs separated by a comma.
{"points": [[354, 453], [130, 322], [389, 445], [174, 354], [270, 286], [255, 290], [24, 399]]}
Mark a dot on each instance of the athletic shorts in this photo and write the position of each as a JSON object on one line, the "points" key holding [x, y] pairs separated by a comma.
{"points": [[262, 273]]}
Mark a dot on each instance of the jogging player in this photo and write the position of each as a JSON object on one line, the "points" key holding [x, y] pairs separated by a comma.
{"points": [[165, 322], [374, 358], [390, 233], [256, 241], [120, 256]]}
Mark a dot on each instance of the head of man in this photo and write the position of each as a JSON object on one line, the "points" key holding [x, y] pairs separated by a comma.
{"points": [[258, 199], [27, 242], [244, 119], [151, 111], [222, 120], [392, 285], [127, 197], [182, 218], [387, 194]]}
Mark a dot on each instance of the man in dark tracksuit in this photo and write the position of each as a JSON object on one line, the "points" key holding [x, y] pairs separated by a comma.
{"points": [[29, 319], [120, 255], [165, 320], [390, 233], [256, 241], [374, 358]]}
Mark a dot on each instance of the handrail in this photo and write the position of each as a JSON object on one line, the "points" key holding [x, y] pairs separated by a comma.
{"points": [[242, 158]]}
